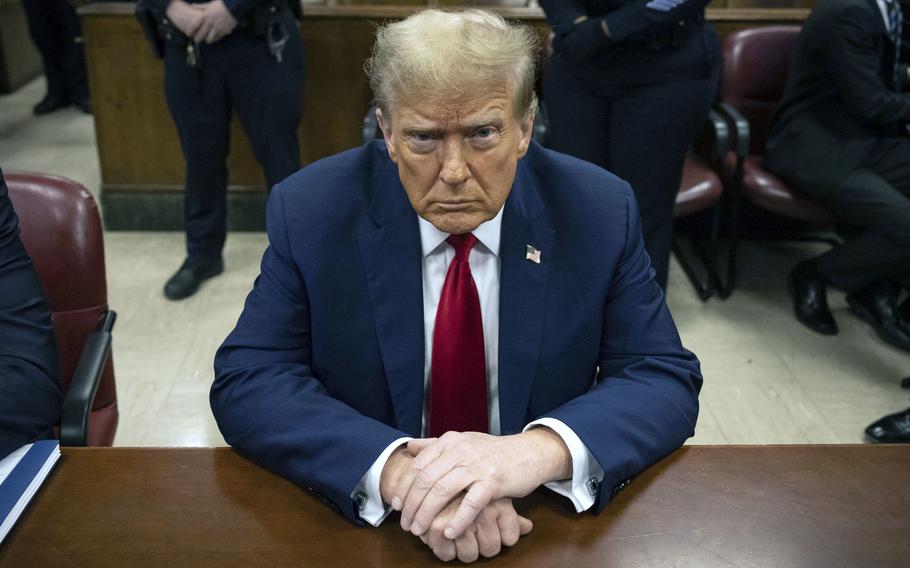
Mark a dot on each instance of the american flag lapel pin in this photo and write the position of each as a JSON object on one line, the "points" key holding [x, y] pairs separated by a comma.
{"points": [[532, 254]]}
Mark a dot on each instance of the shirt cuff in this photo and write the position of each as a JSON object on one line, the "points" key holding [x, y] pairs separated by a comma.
{"points": [[587, 474], [366, 495]]}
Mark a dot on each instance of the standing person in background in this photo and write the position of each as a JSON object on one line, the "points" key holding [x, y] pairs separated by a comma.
{"points": [[627, 86], [54, 27], [220, 57], [30, 397]]}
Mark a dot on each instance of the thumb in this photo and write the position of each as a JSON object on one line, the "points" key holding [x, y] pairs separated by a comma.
{"points": [[524, 525]]}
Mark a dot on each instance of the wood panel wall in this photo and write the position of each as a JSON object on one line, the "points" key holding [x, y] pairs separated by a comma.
{"points": [[19, 60], [137, 142]]}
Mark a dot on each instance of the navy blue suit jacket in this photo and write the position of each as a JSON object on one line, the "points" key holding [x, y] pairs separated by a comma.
{"points": [[30, 397], [326, 365]]}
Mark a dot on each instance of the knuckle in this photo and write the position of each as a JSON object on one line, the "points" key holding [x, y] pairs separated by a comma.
{"points": [[441, 489], [449, 436], [438, 525], [422, 479], [491, 550], [472, 503]]}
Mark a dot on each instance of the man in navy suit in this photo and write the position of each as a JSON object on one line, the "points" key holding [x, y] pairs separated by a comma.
{"points": [[447, 320], [30, 397]]}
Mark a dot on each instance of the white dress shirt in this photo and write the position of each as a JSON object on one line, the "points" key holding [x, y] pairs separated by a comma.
{"points": [[485, 263]]}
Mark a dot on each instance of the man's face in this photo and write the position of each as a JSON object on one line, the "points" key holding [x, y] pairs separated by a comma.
{"points": [[457, 158]]}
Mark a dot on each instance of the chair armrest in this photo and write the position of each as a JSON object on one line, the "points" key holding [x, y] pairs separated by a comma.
{"points": [[741, 132], [77, 405], [713, 141]]}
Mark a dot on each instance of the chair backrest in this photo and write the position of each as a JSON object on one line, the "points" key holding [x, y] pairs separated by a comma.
{"points": [[756, 64], [61, 230]]}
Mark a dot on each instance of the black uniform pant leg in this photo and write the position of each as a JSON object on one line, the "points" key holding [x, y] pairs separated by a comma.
{"points": [[266, 96], [44, 29], [579, 117], [201, 111], [73, 50], [875, 199], [651, 128]]}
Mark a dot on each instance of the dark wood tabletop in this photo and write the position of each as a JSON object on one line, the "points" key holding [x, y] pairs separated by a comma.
{"points": [[705, 506]]}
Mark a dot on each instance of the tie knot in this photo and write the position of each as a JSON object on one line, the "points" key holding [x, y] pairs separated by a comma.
{"points": [[462, 244]]}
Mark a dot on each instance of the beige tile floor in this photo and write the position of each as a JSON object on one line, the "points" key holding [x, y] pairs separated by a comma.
{"points": [[768, 380]]}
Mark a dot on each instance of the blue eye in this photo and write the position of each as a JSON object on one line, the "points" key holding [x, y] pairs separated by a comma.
{"points": [[485, 132]]}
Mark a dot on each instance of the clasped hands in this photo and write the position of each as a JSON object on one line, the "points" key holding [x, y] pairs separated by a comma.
{"points": [[206, 22], [455, 492]]}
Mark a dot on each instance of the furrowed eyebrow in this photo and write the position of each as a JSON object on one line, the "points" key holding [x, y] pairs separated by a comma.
{"points": [[411, 130], [491, 120]]}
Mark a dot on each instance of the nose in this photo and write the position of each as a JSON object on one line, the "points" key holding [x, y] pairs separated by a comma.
{"points": [[455, 169]]}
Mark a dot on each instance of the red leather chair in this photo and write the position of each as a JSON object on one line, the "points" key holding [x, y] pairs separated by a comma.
{"points": [[756, 65], [61, 230]]}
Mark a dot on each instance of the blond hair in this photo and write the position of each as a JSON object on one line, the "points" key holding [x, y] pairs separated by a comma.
{"points": [[442, 55]]}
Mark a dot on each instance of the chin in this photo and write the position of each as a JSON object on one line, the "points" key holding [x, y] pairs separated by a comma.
{"points": [[455, 224]]}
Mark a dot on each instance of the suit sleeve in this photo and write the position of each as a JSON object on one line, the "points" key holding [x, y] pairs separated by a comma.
{"points": [[854, 62], [645, 403], [632, 21], [270, 404], [643, 17], [30, 397]]}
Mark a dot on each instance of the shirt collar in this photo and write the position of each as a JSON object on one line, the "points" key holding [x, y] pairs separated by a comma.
{"points": [[488, 233]]}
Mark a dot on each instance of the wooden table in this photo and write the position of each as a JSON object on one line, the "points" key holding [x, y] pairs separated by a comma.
{"points": [[775, 506]]}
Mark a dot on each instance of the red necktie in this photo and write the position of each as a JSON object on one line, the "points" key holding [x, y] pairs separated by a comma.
{"points": [[458, 382]]}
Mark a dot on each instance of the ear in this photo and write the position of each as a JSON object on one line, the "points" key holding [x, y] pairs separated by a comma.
{"points": [[526, 128], [386, 127]]}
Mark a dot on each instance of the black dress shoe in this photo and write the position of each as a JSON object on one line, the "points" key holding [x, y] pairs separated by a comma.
{"points": [[186, 281], [892, 429], [84, 104], [810, 301], [50, 103], [877, 306]]}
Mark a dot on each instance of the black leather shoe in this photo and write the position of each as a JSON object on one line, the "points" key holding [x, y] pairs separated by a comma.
{"points": [[186, 281], [84, 104], [876, 305], [810, 301], [892, 429], [50, 103]]}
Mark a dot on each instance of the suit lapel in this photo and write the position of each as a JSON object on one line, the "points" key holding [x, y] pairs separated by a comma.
{"points": [[880, 18], [522, 297], [392, 264]]}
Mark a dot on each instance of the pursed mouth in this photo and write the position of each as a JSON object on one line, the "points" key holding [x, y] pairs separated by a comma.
{"points": [[453, 205]]}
